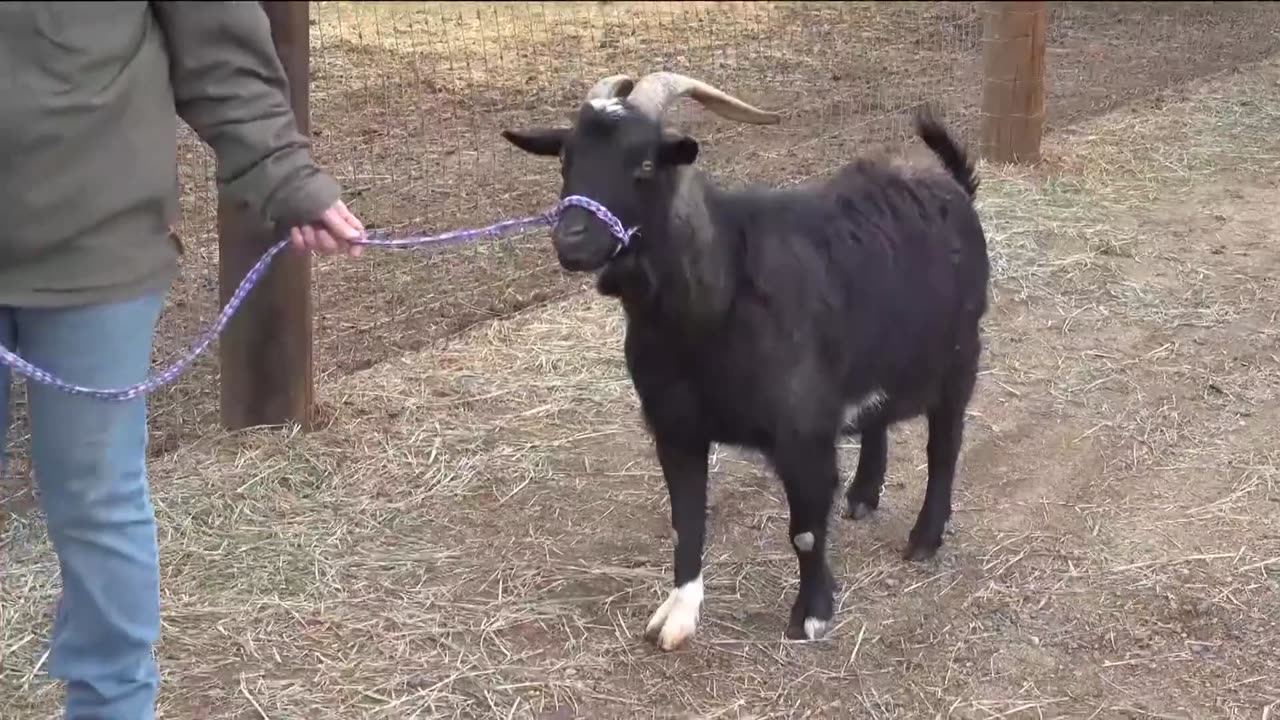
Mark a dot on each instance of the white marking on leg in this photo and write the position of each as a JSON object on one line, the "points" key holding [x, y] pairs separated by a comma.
{"points": [[868, 403], [609, 107], [803, 541], [816, 629], [676, 620]]}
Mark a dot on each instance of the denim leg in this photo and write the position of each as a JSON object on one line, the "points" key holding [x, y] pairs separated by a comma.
{"points": [[89, 459]]}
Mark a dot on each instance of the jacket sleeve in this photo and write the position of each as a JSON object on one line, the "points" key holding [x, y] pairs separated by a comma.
{"points": [[230, 87]]}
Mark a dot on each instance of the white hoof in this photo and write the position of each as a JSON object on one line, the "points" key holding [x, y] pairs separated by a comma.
{"points": [[676, 620], [816, 629]]}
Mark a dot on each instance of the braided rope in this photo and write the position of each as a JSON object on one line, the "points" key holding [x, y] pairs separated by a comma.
{"points": [[25, 369]]}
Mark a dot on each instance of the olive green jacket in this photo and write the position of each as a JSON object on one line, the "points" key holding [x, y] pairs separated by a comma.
{"points": [[90, 95]]}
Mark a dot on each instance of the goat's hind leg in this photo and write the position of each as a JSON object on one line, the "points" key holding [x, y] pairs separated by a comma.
{"points": [[684, 466], [946, 435], [810, 476], [863, 497]]}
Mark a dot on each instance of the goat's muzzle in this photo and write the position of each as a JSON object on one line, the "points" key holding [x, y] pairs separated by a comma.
{"points": [[583, 243]]}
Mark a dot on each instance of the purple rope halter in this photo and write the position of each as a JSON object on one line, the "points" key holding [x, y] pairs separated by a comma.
{"points": [[23, 368]]}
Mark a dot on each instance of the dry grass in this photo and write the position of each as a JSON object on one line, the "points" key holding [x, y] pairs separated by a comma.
{"points": [[483, 530]]}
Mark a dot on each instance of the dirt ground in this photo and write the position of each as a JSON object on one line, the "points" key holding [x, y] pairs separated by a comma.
{"points": [[483, 530]]}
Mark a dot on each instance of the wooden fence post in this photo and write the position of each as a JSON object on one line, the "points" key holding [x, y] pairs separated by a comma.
{"points": [[1013, 92], [266, 350]]}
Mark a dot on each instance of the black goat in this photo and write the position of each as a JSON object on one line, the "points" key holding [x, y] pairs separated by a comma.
{"points": [[777, 319]]}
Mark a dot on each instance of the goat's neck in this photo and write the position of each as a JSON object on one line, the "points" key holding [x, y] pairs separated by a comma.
{"points": [[681, 272]]}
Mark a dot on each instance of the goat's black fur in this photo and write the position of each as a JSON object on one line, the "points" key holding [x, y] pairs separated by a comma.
{"points": [[758, 318]]}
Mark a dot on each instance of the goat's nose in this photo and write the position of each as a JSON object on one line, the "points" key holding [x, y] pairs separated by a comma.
{"points": [[570, 230]]}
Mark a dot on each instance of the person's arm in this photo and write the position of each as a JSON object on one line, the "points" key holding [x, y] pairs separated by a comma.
{"points": [[231, 89]]}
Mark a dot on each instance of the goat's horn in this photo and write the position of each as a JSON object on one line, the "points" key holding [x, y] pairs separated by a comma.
{"points": [[657, 91], [611, 87]]}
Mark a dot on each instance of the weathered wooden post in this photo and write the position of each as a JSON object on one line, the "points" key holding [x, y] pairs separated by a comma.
{"points": [[1013, 90], [266, 350]]}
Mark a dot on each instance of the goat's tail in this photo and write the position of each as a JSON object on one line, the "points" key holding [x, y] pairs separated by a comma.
{"points": [[953, 157]]}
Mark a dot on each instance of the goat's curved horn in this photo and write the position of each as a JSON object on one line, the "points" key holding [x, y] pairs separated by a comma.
{"points": [[611, 87], [657, 91]]}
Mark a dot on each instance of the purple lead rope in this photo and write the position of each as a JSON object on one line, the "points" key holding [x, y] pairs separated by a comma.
{"points": [[23, 368]]}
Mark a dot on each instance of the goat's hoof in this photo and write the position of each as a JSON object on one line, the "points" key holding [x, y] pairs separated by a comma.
{"points": [[919, 553], [860, 510], [673, 636], [811, 628], [812, 612], [675, 622], [921, 550]]}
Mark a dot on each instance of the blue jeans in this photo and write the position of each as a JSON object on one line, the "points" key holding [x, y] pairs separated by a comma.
{"points": [[89, 460]]}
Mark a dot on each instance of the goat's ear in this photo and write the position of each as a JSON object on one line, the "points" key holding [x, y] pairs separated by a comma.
{"points": [[677, 149], [537, 141]]}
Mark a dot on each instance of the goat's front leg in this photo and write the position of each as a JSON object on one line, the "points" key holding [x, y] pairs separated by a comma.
{"points": [[684, 466], [811, 477]]}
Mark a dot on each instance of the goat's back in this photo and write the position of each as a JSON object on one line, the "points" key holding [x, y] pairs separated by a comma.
{"points": [[872, 282]]}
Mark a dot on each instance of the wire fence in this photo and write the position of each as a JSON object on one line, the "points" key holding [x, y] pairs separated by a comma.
{"points": [[408, 100]]}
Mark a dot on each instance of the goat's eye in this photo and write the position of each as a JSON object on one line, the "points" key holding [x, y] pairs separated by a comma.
{"points": [[646, 169]]}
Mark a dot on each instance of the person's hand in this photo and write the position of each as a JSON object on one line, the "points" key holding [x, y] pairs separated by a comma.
{"points": [[334, 233]]}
